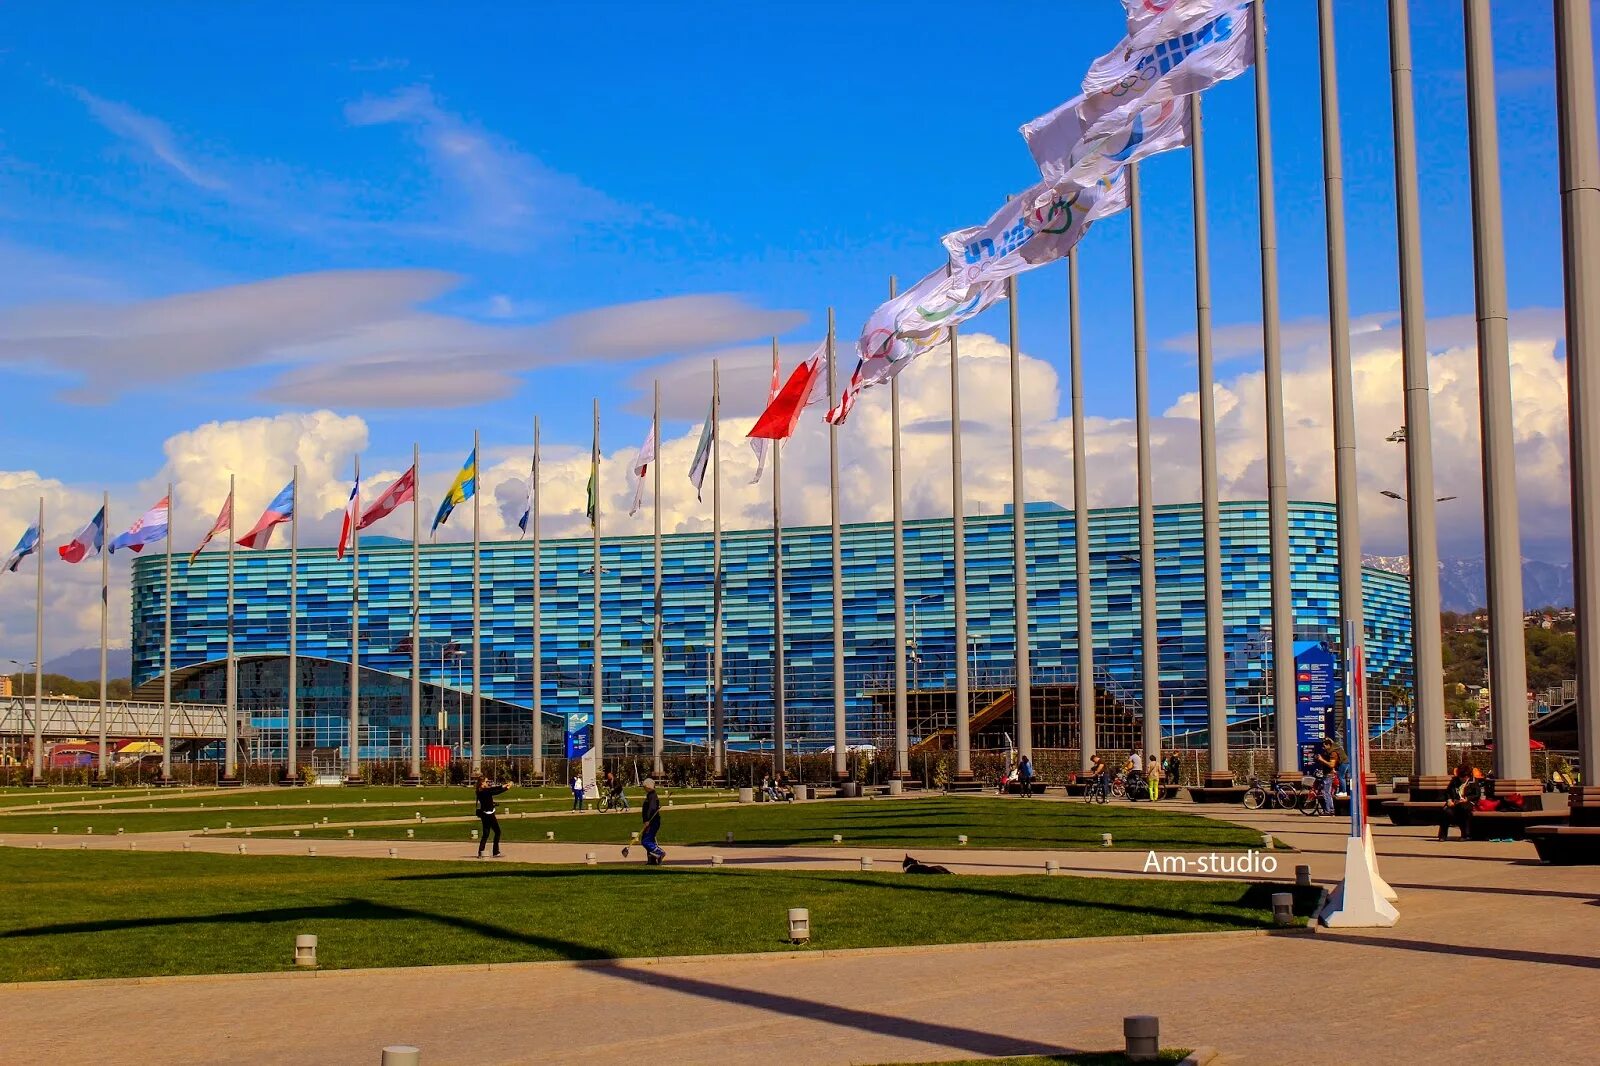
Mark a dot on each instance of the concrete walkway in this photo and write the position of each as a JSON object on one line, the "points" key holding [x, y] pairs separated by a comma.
{"points": [[1494, 956]]}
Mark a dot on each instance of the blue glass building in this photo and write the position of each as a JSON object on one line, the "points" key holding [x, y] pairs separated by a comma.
{"points": [[445, 625]]}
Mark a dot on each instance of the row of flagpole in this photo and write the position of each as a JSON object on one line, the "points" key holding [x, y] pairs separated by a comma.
{"points": [[942, 300]]}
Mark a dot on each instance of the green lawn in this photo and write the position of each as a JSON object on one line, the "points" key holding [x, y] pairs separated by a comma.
{"points": [[74, 914], [918, 823], [32, 797]]}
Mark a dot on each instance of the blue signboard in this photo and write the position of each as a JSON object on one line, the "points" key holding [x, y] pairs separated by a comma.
{"points": [[1316, 683], [580, 733]]}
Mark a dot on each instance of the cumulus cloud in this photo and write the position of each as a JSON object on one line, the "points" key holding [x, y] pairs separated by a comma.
{"points": [[352, 338]]}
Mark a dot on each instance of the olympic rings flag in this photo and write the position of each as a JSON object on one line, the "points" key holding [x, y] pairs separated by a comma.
{"points": [[1064, 150], [1186, 49]]}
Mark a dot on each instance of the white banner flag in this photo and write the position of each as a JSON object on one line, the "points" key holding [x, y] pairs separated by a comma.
{"points": [[641, 467], [1190, 47], [1059, 145], [1035, 227], [1143, 12]]}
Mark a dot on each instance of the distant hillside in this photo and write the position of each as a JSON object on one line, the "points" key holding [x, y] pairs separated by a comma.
{"points": [[84, 664], [1461, 582]]}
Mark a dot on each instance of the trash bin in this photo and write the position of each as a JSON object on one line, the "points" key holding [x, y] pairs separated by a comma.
{"points": [[747, 795]]}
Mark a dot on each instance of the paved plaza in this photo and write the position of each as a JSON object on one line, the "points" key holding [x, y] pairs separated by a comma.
{"points": [[1494, 955]]}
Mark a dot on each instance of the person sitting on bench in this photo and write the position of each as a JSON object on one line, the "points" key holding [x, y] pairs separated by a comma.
{"points": [[1459, 799]]}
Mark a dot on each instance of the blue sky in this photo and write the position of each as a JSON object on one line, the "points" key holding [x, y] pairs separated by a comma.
{"points": [[724, 170]]}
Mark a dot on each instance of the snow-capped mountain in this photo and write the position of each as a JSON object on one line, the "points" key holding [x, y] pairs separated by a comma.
{"points": [[1461, 581]]}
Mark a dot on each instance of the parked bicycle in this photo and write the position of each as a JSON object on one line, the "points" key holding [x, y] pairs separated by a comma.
{"points": [[1278, 794], [1098, 790]]}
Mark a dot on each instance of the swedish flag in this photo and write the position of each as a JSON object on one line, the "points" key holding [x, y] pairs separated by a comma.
{"points": [[461, 490]]}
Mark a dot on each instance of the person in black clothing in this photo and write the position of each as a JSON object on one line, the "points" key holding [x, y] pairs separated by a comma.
{"points": [[487, 791], [1459, 800], [654, 856]]}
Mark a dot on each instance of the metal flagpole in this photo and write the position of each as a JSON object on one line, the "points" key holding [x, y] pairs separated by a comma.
{"points": [[958, 562], [38, 653], [1282, 597], [1426, 640], [477, 611], [290, 769], [353, 773], [105, 593], [1210, 504], [166, 651], [537, 701], [779, 731], [230, 763], [415, 777], [1087, 717], [902, 758], [1508, 673], [719, 724], [1019, 542], [658, 729], [1149, 635], [841, 766], [1580, 232], [598, 679]]}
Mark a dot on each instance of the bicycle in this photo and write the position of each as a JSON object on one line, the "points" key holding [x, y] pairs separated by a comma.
{"points": [[1311, 801], [1261, 794], [1096, 791], [1119, 787]]}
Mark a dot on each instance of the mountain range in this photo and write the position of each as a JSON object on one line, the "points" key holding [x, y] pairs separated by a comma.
{"points": [[1461, 581], [84, 664]]}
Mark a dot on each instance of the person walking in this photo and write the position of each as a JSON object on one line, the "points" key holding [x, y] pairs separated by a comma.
{"points": [[487, 791], [1323, 767], [577, 791], [653, 854], [1025, 776]]}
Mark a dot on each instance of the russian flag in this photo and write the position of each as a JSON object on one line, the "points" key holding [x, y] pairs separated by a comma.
{"points": [[151, 527], [89, 541], [280, 510]]}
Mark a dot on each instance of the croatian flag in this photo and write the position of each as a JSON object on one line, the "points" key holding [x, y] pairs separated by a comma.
{"points": [[90, 539], [25, 547], [280, 510], [151, 527], [352, 511]]}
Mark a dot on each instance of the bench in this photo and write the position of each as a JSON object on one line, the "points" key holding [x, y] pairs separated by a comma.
{"points": [[1218, 793], [1511, 825], [1014, 788], [1567, 845]]}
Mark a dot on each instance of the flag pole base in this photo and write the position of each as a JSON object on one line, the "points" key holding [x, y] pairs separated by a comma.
{"points": [[1359, 901]]}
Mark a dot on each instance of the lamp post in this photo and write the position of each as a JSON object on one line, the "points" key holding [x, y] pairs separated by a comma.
{"points": [[1396, 496]]}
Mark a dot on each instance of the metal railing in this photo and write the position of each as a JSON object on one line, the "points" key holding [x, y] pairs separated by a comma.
{"points": [[124, 718]]}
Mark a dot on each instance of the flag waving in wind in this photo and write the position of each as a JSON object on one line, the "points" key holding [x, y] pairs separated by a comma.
{"points": [[279, 511], [25, 547], [151, 527], [224, 520], [461, 490], [702, 451], [777, 422], [403, 490], [759, 445], [352, 512], [533, 487], [90, 539], [641, 467]]}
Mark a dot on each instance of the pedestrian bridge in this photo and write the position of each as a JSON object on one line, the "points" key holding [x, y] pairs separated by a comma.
{"points": [[125, 719]]}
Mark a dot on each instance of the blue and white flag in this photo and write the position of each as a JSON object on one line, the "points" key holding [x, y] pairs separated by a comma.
{"points": [[25, 547], [1065, 151], [533, 486]]}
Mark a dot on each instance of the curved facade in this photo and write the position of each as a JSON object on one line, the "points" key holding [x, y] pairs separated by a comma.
{"points": [[445, 626]]}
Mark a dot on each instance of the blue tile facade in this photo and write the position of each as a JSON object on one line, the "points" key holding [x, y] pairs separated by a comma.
{"points": [[199, 623]]}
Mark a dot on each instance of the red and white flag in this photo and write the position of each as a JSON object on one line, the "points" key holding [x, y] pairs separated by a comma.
{"points": [[777, 422], [224, 520], [759, 445], [404, 490], [351, 511]]}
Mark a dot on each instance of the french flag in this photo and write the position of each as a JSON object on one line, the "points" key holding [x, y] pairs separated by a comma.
{"points": [[352, 510], [279, 511], [151, 527], [90, 539]]}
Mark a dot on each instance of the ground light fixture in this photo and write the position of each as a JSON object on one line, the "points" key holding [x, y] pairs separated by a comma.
{"points": [[799, 925], [305, 949]]}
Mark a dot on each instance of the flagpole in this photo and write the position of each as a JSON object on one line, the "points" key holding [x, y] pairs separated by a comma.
{"points": [[1427, 710], [166, 651], [1088, 734], [599, 673], [1284, 686], [415, 776], [719, 724], [1149, 633], [902, 755], [1019, 541], [477, 611], [841, 766], [537, 701], [353, 774], [1503, 551], [1210, 504], [958, 541], [1580, 232], [38, 655], [658, 731], [105, 595], [779, 739], [230, 674], [291, 770], [1346, 504]]}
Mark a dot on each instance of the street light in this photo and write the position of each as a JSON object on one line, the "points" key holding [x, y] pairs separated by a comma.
{"points": [[1397, 437], [1396, 496]]}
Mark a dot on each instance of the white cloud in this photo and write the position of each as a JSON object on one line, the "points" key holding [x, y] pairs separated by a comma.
{"points": [[153, 136]]}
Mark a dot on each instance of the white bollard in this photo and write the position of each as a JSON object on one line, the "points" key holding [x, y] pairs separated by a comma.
{"points": [[866, 862], [82, 846], [119, 830], [1282, 908], [89, 829], [838, 839], [1051, 866], [411, 834], [229, 825], [312, 850], [394, 853], [1141, 1035], [799, 925], [241, 849], [962, 840], [474, 834], [1266, 841], [133, 845], [549, 835], [727, 838], [400, 1055], [55, 829], [1302, 876], [716, 860], [633, 838], [305, 950], [297, 833], [1105, 840], [419, 816], [588, 858]]}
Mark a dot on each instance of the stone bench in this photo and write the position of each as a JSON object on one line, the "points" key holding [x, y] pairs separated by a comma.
{"points": [[1567, 845], [1513, 825]]}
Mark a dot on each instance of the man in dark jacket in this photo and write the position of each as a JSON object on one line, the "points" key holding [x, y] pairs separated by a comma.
{"points": [[1460, 798], [654, 856], [487, 791]]}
